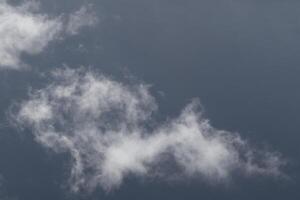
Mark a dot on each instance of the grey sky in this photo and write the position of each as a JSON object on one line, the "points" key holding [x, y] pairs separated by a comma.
{"points": [[240, 58]]}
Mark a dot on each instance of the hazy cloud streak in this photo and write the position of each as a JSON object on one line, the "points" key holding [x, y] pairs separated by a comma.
{"points": [[84, 17]]}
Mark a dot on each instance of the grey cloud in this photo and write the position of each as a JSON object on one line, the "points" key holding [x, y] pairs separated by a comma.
{"points": [[103, 124]]}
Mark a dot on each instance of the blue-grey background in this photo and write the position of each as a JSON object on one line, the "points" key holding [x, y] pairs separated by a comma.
{"points": [[240, 57]]}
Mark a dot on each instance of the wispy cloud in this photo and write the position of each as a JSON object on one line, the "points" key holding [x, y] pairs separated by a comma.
{"points": [[84, 17], [25, 31], [104, 125]]}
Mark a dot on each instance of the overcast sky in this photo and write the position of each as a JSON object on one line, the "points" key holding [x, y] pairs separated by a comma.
{"points": [[149, 99]]}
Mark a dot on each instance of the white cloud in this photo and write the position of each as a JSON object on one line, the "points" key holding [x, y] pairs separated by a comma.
{"points": [[24, 31], [104, 125], [84, 17]]}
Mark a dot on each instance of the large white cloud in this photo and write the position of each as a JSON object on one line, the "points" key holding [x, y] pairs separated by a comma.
{"points": [[23, 30], [105, 126]]}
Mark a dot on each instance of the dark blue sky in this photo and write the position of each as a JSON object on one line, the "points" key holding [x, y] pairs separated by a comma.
{"points": [[239, 57]]}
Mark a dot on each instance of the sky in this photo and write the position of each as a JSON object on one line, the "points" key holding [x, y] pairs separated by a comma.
{"points": [[140, 99]]}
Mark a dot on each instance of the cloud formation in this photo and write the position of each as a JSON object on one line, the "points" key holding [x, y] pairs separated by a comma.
{"points": [[84, 17], [105, 126], [23, 30]]}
